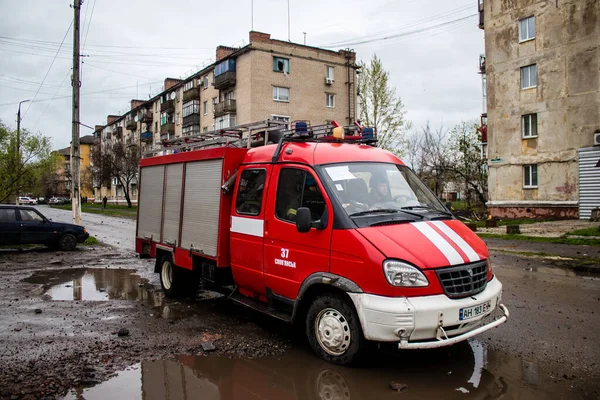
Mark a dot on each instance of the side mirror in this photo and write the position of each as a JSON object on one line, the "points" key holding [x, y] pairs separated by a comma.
{"points": [[303, 219]]}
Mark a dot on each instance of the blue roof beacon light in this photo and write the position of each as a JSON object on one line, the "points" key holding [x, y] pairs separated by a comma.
{"points": [[302, 129], [368, 134]]}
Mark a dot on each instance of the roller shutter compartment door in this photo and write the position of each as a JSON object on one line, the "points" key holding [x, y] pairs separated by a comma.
{"points": [[172, 203], [150, 202]]}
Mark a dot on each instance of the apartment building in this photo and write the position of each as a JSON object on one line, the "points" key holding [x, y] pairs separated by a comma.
{"points": [[62, 183], [541, 74], [266, 79]]}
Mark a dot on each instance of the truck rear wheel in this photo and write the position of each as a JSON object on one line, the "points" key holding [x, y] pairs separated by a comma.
{"points": [[176, 281], [333, 329]]}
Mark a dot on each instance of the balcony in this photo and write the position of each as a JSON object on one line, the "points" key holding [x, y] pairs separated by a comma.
{"points": [[167, 106], [225, 107], [167, 129], [225, 80], [192, 119], [146, 137], [480, 9], [118, 132], [131, 125], [147, 116], [191, 94]]}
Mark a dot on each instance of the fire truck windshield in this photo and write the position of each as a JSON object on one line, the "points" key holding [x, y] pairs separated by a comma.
{"points": [[374, 188]]}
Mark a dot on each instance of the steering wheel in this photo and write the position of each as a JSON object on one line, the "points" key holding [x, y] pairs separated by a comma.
{"points": [[400, 198]]}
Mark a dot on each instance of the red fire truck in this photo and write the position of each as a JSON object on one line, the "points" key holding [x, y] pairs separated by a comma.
{"points": [[316, 226]]}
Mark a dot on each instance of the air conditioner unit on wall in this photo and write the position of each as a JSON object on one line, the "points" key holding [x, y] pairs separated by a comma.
{"points": [[328, 81], [597, 139]]}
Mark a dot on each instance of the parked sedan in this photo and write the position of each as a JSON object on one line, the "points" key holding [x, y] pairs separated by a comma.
{"points": [[27, 200], [56, 201], [26, 225]]}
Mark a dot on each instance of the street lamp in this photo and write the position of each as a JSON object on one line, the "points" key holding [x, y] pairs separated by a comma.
{"points": [[18, 155]]}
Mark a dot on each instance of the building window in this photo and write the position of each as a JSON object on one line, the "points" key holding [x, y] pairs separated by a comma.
{"points": [[329, 72], [529, 125], [281, 93], [225, 66], [205, 81], [225, 121], [529, 76], [166, 118], [214, 103], [191, 107], [281, 64], [190, 130], [178, 119], [205, 107], [330, 100], [282, 118], [530, 178], [250, 192], [205, 129], [297, 188], [526, 29], [188, 85]]}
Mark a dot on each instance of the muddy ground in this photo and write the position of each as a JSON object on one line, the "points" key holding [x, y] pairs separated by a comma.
{"points": [[61, 313]]}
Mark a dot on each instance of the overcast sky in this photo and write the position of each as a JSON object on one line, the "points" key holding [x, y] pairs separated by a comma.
{"points": [[131, 46]]}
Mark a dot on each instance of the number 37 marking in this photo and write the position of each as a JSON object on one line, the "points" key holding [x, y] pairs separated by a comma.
{"points": [[285, 253]]}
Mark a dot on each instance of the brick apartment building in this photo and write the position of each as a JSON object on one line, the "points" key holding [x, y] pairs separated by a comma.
{"points": [[542, 66], [266, 79]]}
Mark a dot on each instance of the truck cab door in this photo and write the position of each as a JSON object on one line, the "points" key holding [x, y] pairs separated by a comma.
{"points": [[291, 256], [247, 230]]}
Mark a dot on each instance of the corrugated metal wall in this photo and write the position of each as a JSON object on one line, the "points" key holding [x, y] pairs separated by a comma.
{"points": [[150, 205], [200, 225], [589, 181], [172, 203]]}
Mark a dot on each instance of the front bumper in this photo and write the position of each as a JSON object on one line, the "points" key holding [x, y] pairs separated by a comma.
{"points": [[427, 321]]}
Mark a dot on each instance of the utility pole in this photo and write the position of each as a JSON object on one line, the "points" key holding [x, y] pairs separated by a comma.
{"points": [[75, 156], [18, 155]]}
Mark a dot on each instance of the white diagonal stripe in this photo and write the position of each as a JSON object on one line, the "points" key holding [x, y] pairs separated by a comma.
{"points": [[442, 244], [460, 242]]}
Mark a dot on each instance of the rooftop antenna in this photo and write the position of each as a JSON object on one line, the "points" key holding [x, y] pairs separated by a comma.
{"points": [[251, 15], [304, 33]]}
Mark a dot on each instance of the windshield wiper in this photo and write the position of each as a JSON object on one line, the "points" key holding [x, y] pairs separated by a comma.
{"points": [[385, 211], [428, 209]]}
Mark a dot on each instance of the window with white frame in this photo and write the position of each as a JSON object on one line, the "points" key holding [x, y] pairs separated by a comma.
{"points": [[205, 129], [214, 103], [191, 107], [166, 118], [281, 118], [530, 178], [178, 119], [526, 29], [190, 130], [205, 81], [329, 72], [281, 64], [188, 85], [205, 107], [529, 76], [281, 93], [529, 125], [330, 100]]}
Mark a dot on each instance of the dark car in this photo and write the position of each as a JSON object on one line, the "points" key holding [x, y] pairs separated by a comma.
{"points": [[26, 225]]}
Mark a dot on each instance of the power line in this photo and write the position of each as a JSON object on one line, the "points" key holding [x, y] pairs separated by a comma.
{"points": [[89, 23], [109, 46], [49, 68], [51, 100]]}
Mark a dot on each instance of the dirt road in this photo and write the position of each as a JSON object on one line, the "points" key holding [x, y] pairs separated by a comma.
{"points": [[61, 313]]}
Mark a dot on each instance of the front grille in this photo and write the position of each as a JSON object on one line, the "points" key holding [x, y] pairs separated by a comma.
{"points": [[463, 280]]}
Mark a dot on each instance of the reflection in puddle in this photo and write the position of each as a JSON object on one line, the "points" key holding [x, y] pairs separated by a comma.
{"points": [[101, 284], [462, 371]]}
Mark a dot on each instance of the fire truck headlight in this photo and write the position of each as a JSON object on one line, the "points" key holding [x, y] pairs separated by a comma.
{"points": [[402, 274]]}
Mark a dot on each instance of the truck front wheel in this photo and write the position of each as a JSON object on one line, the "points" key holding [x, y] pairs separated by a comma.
{"points": [[175, 281], [333, 329]]}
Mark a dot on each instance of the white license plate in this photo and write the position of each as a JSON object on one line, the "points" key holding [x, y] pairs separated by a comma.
{"points": [[474, 311]]}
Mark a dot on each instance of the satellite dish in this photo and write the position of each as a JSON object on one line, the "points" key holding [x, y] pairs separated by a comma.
{"points": [[172, 95]]}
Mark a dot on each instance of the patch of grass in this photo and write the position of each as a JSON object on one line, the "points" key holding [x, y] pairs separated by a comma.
{"points": [[112, 210], [91, 241], [594, 231], [537, 239], [519, 221]]}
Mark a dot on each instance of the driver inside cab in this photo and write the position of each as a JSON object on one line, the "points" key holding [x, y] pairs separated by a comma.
{"points": [[380, 190]]}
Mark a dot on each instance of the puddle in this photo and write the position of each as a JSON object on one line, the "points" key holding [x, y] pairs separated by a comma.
{"points": [[464, 371], [101, 284]]}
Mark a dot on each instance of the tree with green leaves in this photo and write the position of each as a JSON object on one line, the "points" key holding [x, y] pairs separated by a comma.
{"points": [[21, 169], [381, 108]]}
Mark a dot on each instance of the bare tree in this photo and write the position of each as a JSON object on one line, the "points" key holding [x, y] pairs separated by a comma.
{"points": [[117, 159], [381, 108], [430, 157], [468, 164]]}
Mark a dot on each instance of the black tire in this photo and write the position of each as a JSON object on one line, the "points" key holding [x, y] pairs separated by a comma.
{"points": [[176, 282], [333, 329], [67, 242]]}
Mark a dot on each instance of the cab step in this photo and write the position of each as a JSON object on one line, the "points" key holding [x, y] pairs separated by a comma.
{"points": [[260, 306]]}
